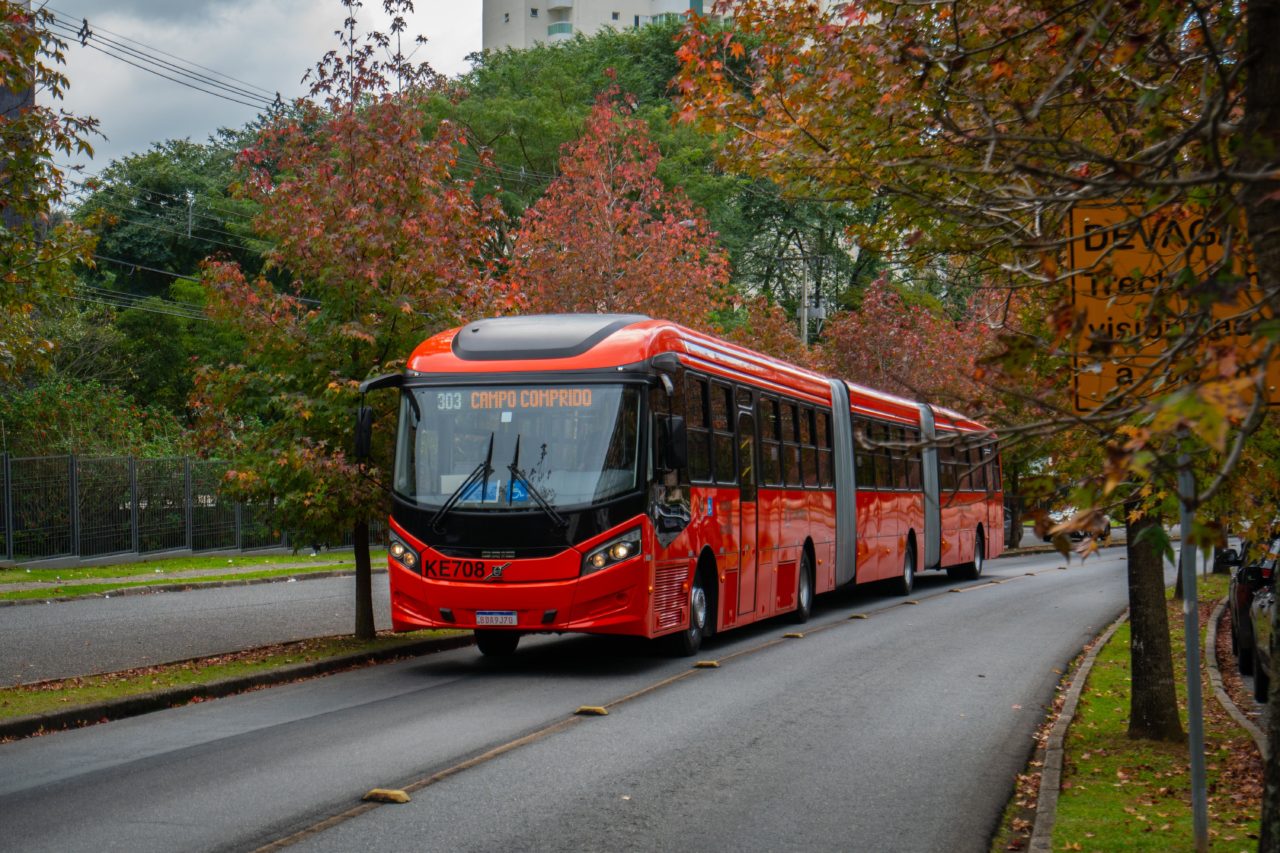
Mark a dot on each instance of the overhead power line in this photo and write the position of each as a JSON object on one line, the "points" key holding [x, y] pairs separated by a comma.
{"points": [[123, 37], [185, 74]]}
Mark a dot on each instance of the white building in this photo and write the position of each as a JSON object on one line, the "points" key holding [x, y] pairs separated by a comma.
{"points": [[524, 23]]}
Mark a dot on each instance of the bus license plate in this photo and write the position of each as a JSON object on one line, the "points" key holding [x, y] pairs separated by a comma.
{"points": [[495, 617]]}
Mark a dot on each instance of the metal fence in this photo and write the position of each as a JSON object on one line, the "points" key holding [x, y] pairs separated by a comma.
{"points": [[69, 506]]}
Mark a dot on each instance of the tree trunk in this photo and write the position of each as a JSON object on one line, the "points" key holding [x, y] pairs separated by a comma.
{"points": [[364, 580], [1153, 702]]}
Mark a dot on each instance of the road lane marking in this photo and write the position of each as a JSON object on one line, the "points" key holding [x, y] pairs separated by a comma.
{"points": [[566, 722]]}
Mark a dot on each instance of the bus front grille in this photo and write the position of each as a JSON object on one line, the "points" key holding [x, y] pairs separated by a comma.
{"points": [[669, 595]]}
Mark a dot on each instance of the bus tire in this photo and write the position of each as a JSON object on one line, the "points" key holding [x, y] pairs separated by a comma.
{"points": [[1244, 660], [688, 641], [804, 591], [972, 571], [493, 643], [904, 583]]}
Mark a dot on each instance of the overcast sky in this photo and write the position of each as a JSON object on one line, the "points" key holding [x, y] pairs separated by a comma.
{"points": [[267, 43]]}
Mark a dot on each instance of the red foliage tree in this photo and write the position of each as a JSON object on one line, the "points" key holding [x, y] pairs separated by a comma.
{"points": [[904, 348], [608, 236], [378, 243]]}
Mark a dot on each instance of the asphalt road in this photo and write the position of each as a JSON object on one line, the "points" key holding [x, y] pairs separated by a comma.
{"points": [[902, 731], [88, 636]]}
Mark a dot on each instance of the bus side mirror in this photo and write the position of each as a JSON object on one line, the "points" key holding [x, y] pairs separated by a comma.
{"points": [[674, 443], [364, 432]]}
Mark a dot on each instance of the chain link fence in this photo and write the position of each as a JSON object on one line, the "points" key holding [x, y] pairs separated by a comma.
{"points": [[69, 506]]}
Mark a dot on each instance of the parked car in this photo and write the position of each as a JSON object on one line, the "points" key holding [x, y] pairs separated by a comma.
{"points": [[1092, 524], [1264, 601], [1246, 581]]}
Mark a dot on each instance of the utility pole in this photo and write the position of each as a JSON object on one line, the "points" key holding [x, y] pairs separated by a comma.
{"points": [[804, 303]]}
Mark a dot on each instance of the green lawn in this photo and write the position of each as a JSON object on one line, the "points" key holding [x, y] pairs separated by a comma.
{"points": [[1122, 794], [81, 580]]}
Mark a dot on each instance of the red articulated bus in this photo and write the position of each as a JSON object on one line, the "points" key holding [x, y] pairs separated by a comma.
{"points": [[615, 474]]}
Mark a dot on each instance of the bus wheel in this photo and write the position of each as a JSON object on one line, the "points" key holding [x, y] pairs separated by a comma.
{"points": [[906, 582], [804, 591], [688, 641], [971, 571], [496, 643]]}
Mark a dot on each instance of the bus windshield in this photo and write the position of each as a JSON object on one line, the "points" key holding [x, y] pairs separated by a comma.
{"points": [[565, 445]]}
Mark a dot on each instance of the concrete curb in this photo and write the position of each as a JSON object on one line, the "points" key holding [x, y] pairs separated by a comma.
{"points": [[186, 586], [1051, 775], [132, 706], [1215, 678]]}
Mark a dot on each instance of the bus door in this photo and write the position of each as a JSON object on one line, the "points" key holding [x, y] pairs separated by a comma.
{"points": [[748, 514]]}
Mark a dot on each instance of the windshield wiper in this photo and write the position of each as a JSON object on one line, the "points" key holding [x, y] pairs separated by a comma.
{"points": [[538, 497], [480, 473]]}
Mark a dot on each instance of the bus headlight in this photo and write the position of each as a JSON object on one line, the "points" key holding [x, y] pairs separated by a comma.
{"points": [[401, 553], [616, 550]]}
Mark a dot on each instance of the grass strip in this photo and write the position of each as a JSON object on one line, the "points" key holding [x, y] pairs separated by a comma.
{"points": [[1123, 794], [51, 696], [92, 589], [169, 565]]}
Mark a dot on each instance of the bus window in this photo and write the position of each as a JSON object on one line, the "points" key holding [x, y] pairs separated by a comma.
{"points": [[947, 468], [780, 430], [901, 460], [914, 461], [807, 448], [770, 445], [791, 445], [722, 441], [864, 470], [826, 476], [698, 424]]}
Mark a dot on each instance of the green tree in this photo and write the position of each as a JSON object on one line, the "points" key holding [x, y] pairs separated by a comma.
{"points": [[162, 212]]}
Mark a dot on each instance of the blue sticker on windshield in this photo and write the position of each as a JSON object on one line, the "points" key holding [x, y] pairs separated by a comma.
{"points": [[518, 491], [711, 507], [473, 492]]}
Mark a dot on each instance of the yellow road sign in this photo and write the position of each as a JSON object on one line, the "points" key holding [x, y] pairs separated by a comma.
{"points": [[1127, 267]]}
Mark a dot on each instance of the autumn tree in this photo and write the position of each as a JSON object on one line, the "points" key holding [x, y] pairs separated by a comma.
{"points": [[609, 237], [906, 347], [979, 128], [379, 243], [37, 251]]}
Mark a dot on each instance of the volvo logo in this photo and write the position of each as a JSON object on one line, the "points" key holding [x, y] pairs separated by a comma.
{"points": [[495, 574]]}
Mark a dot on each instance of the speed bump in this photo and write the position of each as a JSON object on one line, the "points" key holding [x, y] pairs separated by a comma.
{"points": [[592, 711], [386, 795], [794, 635], [858, 616], [707, 664], [910, 601]]}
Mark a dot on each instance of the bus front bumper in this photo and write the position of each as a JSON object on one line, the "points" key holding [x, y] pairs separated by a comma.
{"points": [[612, 601]]}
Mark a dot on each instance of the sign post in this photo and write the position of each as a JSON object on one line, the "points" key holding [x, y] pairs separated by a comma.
{"points": [[1125, 261]]}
